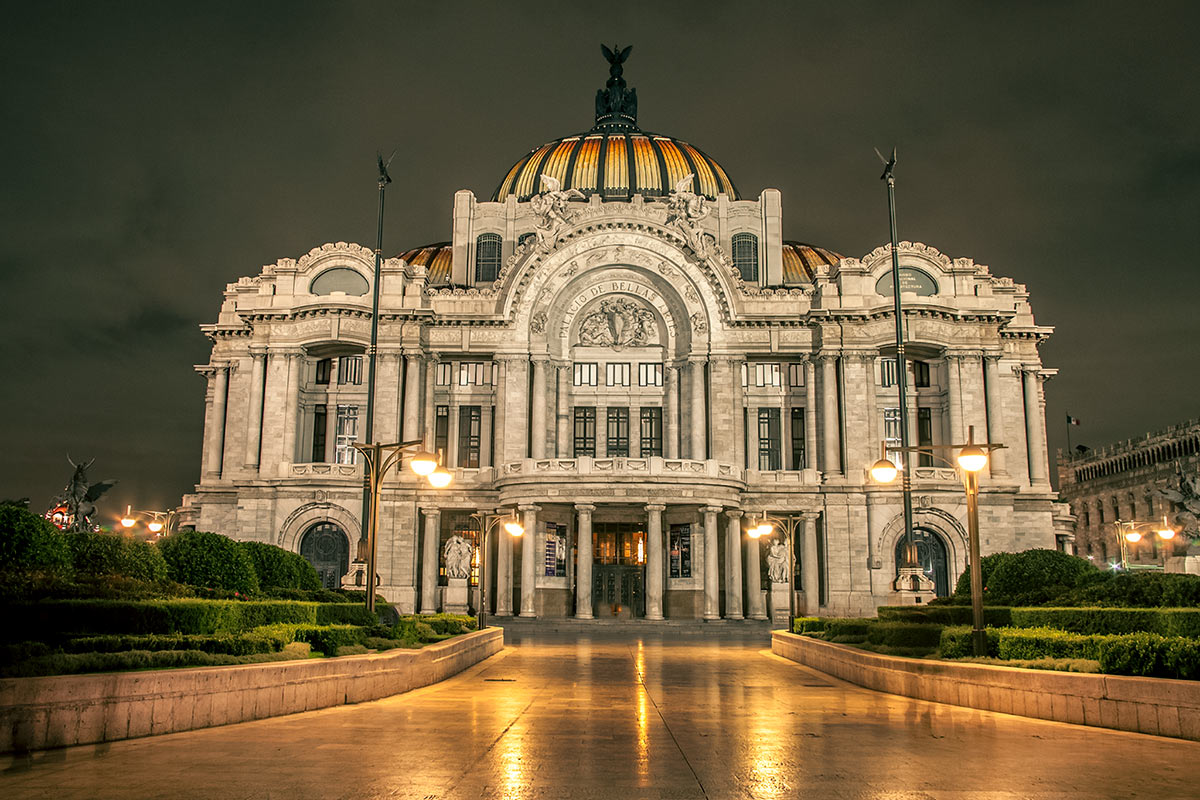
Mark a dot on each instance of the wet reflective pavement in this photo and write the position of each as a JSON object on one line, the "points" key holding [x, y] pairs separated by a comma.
{"points": [[638, 714]]}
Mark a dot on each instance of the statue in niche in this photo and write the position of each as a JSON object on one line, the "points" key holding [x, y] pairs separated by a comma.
{"points": [[457, 554], [552, 211], [79, 497], [777, 562], [618, 323]]}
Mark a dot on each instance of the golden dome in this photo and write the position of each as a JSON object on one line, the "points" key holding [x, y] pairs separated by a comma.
{"points": [[435, 258], [800, 261]]}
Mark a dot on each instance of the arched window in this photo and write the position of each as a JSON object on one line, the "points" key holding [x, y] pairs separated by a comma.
{"points": [[487, 257], [339, 279], [933, 556], [745, 255], [328, 550]]}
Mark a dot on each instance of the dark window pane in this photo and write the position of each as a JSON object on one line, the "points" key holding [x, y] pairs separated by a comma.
{"points": [[617, 432], [585, 431], [651, 432], [768, 439], [745, 255], [487, 257], [798, 438], [469, 426]]}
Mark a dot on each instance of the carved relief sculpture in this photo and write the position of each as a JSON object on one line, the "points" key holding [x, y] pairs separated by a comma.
{"points": [[457, 554], [685, 209], [618, 323], [552, 211]]}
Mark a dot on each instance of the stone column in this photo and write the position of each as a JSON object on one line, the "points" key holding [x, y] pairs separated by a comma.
{"points": [[538, 449], [430, 410], [292, 418], [831, 446], [712, 577], [1035, 444], [698, 411], [498, 421], [528, 557], [216, 431], [412, 398], [654, 560], [997, 461], [739, 412], [733, 566], [809, 564], [430, 560], [752, 563], [504, 553], [562, 435], [583, 570], [810, 415], [330, 454], [671, 413], [958, 433], [258, 382]]}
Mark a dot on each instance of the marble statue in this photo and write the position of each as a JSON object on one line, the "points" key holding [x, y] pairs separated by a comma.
{"points": [[685, 209], [552, 210], [457, 553], [777, 567], [618, 323]]}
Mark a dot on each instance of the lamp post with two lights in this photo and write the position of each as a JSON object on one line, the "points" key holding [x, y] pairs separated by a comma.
{"points": [[488, 523]]}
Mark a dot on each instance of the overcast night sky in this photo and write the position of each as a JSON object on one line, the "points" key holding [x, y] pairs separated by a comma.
{"points": [[154, 153]]}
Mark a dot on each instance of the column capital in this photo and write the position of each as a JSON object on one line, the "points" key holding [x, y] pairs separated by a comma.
{"points": [[525, 508], [505, 358], [712, 509], [654, 507], [734, 513], [258, 350], [431, 511], [585, 508], [539, 359], [827, 357], [993, 357], [810, 516], [694, 360]]}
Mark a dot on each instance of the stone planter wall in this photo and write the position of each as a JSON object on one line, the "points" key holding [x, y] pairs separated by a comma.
{"points": [[1144, 705], [61, 710]]}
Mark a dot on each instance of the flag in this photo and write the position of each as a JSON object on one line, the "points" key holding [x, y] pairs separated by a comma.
{"points": [[1072, 420]]}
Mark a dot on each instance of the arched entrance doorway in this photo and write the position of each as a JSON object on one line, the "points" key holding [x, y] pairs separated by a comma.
{"points": [[328, 549], [932, 554]]}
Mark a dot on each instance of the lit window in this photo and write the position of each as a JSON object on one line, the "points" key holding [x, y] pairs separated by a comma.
{"points": [[891, 433], [350, 370], [487, 257], [617, 374], [766, 374], [445, 373], [475, 373], [347, 435], [745, 255], [650, 374], [585, 374], [887, 372]]}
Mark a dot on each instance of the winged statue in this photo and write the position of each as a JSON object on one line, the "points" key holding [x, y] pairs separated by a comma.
{"points": [[550, 205], [80, 496]]}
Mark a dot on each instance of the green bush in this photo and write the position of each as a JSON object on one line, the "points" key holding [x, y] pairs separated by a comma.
{"points": [[956, 642], [319, 595], [345, 614], [106, 554], [1029, 643], [993, 616], [1033, 577], [1165, 621], [328, 638], [229, 644], [1151, 655], [988, 565], [28, 543], [277, 568], [808, 625], [917, 636], [847, 631], [1137, 590], [450, 624], [207, 559], [72, 663]]}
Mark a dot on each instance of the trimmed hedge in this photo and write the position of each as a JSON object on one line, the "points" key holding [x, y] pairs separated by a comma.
{"points": [[209, 559], [956, 642], [230, 644], [1164, 621], [808, 625], [1028, 643], [29, 543], [74, 663], [993, 616], [919, 636], [277, 568], [847, 631], [1028, 578], [1151, 655], [106, 554], [1137, 590]]}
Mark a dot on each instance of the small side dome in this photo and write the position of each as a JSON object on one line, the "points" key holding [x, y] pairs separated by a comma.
{"points": [[435, 258], [800, 261]]}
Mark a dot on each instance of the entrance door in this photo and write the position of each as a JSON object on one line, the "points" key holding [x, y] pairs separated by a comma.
{"points": [[328, 550], [931, 551], [619, 571]]}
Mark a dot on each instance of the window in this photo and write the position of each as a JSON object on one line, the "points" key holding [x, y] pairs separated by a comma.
{"points": [[651, 432], [339, 279], [795, 374], [745, 255], [475, 373], [887, 372], [617, 374], [487, 257], [556, 551], [680, 541], [891, 434], [347, 435], [920, 373], [350, 370], [617, 431], [324, 369], [797, 439], [650, 374], [766, 374], [768, 438], [924, 433], [585, 431], [445, 373], [318, 437], [441, 429], [469, 438], [585, 374]]}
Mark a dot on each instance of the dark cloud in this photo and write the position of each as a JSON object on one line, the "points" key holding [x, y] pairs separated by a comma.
{"points": [[153, 153]]}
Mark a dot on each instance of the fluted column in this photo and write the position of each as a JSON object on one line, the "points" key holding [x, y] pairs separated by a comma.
{"points": [[498, 424], [809, 564], [528, 549], [583, 570], [654, 560], [958, 433], [330, 454], [739, 412], [291, 420], [562, 435], [538, 438], [733, 566], [998, 461], [831, 444], [712, 577], [430, 411], [258, 382], [810, 414], [752, 563], [698, 411], [216, 428], [412, 397], [671, 415], [1035, 442], [430, 555], [504, 559]]}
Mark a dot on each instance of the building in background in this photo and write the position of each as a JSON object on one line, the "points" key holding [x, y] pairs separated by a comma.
{"points": [[625, 348], [1125, 481]]}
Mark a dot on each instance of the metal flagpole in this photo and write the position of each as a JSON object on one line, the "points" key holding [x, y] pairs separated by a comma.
{"points": [[910, 555], [1070, 422]]}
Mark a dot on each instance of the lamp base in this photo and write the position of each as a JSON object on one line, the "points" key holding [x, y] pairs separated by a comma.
{"points": [[912, 587]]}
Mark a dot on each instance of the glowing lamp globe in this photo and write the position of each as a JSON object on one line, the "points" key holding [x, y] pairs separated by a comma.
{"points": [[1133, 536], [1166, 533], [440, 478], [514, 528], [155, 526], [972, 458], [884, 471], [423, 463]]}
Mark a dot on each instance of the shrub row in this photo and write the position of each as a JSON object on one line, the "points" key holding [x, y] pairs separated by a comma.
{"points": [[1165, 621], [995, 616], [923, 636], [243, 644], [74, 663], [1151, 655]]}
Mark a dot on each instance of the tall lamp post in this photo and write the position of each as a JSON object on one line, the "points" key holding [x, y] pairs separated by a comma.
{"points": [[1130, 532], [488, 523], [379, 458], [764, 525], [972, 458], [160, 522]]}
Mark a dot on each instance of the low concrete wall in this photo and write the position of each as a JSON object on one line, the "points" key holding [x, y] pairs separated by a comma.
{"points": [[37, 713], [1144, 705]]}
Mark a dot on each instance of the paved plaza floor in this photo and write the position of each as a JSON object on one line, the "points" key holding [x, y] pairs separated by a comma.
{"points": [[642, 714]]}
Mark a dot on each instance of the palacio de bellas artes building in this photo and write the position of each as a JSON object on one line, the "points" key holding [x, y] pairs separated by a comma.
{"points": [[624, 348]]}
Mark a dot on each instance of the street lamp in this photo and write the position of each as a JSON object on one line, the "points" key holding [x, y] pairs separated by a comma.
{"points": [[379, 459], [972, 457], [159, 521], [765, 527], [1130, 532], [487, 523]]}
